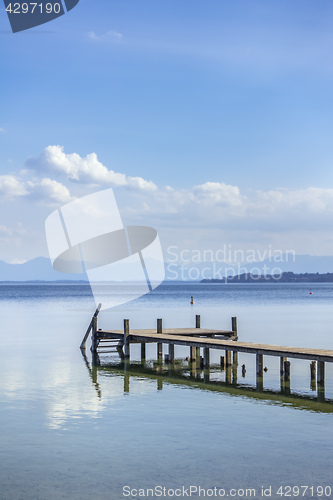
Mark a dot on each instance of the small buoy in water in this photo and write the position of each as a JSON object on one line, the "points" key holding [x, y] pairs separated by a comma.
{"points": [[192, 301], [243, 370], [265, 369], [311, 293]]}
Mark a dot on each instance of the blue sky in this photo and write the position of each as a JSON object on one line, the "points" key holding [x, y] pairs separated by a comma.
{"points": [[227, 102]]}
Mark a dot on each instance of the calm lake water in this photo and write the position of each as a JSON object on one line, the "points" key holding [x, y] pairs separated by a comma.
{"points": [[71, 430]]}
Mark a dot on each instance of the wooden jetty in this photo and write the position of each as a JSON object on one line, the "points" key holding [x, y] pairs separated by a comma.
{"points": [[198, 339]]}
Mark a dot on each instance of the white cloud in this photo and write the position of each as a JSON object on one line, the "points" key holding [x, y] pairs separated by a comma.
{"points": [[46, 190], [110, 36], [86, 170], [218, 193], [49, 190], [11, 187]]}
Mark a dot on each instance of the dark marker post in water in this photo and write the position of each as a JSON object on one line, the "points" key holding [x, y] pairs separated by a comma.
{"points": [[24, 15]]}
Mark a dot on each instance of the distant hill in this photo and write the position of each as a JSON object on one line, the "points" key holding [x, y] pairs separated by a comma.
{"points": [[40, 269]]}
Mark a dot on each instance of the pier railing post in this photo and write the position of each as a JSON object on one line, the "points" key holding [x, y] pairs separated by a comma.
{"points": [[234, 324], [197, 349], [159, 344], [126, 341]]}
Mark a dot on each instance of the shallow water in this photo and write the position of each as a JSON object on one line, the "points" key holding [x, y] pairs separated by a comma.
{"points": [[71, 430]]}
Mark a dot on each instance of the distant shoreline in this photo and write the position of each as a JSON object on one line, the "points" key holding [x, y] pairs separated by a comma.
{"points": [[287, 277]]}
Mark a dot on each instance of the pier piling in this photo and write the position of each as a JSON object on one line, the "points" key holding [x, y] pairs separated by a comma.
{"points": [[206, 357], [313, 372], [159, 344], [126, 341], [321, 374], [143, 351], [286, 371], [200, 338]]}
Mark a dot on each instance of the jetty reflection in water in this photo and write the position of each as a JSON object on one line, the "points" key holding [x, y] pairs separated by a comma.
{"points": [[185, 374]]}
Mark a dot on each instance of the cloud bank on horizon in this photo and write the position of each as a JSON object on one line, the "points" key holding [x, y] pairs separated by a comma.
{"points": [[278, 216]]}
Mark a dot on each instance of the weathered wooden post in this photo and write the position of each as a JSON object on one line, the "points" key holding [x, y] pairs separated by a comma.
{"points": [[197, 349], [159, 344], [234, 325], [228, 372], [313, 372], [192, 353], [159, 383], [321, 381], [90, 327], [234, 353], [126, 341], [228, 361], [321, 374], [171, 353], [94, 341], [126, 381], [259, 371], [222, 362], [282, 362], [206, 357], [287, 371], [143, 351]]}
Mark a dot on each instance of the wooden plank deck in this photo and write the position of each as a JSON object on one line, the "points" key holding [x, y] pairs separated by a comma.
{"points": [[193, 332], [175, 336]]}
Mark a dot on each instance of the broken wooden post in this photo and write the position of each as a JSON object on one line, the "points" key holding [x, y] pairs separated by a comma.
{"points": [[313, 372], [126, 341], [197, 321], [83, 343], [222, 362]]}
